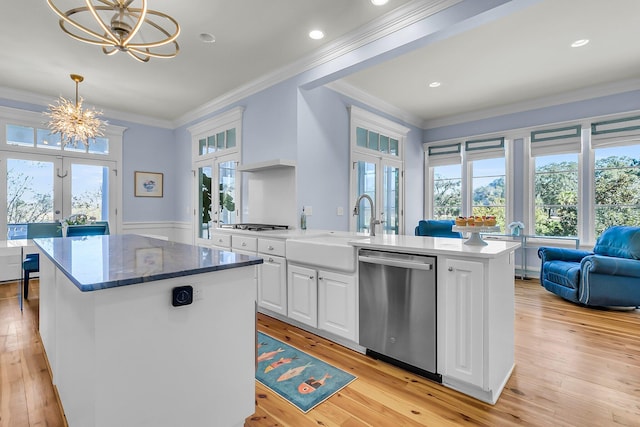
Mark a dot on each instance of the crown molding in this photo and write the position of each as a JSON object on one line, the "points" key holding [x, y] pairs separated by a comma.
{"points": [[533, 104], [45, 101], [397, 19], [356, 94]]}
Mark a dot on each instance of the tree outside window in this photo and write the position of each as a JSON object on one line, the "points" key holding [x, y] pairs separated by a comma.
{"points": [[617, 187], [489, 189], [556, 195], [447, 191]]}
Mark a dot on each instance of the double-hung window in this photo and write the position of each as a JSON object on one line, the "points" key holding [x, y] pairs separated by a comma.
{"points": [[445, 162], [616, 173], [486, 162], [555, 155], [467, 179]]}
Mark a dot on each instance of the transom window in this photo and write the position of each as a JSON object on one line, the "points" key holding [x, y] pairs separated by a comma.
{"points": [[33, 137]]}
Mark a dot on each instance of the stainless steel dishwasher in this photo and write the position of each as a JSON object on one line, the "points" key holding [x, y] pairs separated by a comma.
{"points": [[398, 309]]}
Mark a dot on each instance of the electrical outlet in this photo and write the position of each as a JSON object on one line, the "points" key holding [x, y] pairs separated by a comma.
{"points": [[197, 294], [340, 211], [308, 210]]}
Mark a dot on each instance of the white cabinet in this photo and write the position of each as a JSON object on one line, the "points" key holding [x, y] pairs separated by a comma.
{"points": [[464, 320], [272, 284], [323, 299], [337, 306], [10, 263], [221, 241], [302, 295], [476, 311], [272, 276]]}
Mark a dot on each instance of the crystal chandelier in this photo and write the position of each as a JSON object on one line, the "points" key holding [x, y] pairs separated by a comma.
{"points": [[72, 122], [118, 27]]}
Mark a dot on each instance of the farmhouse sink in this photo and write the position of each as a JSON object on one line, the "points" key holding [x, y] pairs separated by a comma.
{"points": [[329, 250]]}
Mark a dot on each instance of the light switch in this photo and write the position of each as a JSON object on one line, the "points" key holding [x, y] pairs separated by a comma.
{"points": [[340, 211], [308, 210]]}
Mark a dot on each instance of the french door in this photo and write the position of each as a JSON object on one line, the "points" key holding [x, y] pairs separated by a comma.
{"points": [[381, 179], [217, 195], [41, 188]]}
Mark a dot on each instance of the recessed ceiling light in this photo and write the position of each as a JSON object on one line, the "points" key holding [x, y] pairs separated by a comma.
{"points": [[316, 34], [207, 38], [580, 43], [379, 2], [434, 84]]}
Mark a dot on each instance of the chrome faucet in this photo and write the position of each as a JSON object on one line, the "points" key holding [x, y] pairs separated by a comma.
{"points": [[372, 221]]}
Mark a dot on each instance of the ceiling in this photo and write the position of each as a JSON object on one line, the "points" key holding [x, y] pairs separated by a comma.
{"points": [[519, 58]]}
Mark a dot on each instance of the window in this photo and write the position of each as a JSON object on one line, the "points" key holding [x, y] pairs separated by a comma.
{"points": [[467, 182], [216, 155], [616, 172], [617, 187], [556, 195], [34, 137], [377, 171], [489, 189], [41, 181], [447, 192]]}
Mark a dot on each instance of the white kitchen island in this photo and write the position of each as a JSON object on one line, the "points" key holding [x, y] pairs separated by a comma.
{"points": [[475, 309], [121, 354]]}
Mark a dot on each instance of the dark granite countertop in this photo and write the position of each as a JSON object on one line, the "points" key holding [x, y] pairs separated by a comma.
{"points": [[99, 262]]}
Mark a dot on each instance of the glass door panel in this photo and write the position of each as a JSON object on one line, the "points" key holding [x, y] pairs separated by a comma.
{"points": [[366, 184], [90, 191], [391, 200], [227, 195], [204, 202], [30, 194]]}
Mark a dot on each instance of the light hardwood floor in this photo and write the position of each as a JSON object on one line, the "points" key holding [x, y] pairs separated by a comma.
{"points": [[574, 367]]}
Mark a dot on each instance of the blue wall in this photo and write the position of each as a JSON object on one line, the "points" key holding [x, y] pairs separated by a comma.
{"points": [[145, 148]]}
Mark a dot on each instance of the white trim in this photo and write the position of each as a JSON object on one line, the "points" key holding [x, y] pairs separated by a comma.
{"points": [[519, 107], [356, 94], [399, 18], [44, 101]]}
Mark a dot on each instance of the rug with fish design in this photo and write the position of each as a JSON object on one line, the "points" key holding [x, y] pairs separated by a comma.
{"points": [[301, 379]]}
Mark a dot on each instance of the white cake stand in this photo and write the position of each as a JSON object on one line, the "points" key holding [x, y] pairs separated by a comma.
{"points": [[475, 239]]}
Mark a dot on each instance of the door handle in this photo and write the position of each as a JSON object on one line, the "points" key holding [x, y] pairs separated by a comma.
{"points": [[61, 176]]}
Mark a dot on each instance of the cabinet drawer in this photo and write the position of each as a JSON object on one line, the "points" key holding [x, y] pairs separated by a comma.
{"points": [[271, 247], [223, 240], [244, 243]]}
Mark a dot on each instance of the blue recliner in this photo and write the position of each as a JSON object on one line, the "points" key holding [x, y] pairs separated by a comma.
{"points": [[31, 262], [437, 228], [608, 276]]}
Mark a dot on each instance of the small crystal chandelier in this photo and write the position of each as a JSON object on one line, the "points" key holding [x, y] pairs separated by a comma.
{"points": [[118, 27], [72, 123]]}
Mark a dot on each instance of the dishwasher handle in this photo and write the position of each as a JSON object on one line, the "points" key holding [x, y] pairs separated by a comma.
{"points": [[395, 262]]}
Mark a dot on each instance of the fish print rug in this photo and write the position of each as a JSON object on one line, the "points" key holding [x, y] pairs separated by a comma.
{"points": [[301, 379]]}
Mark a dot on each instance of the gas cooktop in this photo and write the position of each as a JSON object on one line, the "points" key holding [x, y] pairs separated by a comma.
{"points": [[255, 227]]}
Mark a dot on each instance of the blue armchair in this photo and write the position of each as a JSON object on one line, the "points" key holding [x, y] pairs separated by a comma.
{"points": [[437, 228], [608, 276]]}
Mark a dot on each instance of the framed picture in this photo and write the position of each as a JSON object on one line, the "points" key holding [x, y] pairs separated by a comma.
{"points": [[148, 184]]}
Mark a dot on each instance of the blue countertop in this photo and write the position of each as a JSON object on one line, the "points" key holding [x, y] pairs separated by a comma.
{"points": [[99, 262]]}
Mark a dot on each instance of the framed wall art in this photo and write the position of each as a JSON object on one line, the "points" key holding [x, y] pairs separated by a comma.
{"points": [[148, 184]]}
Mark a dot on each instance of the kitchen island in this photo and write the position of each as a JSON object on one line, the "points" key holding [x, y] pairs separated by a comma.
{"points": [[475, 308], [130, 344]]}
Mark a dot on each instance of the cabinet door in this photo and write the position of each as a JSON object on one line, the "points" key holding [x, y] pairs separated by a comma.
{"points": [[272, 284], [464, 321], [337, 304], [302, 295]]}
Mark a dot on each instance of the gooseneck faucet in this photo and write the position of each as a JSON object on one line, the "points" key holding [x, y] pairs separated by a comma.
{"points": [[372, 220]]}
